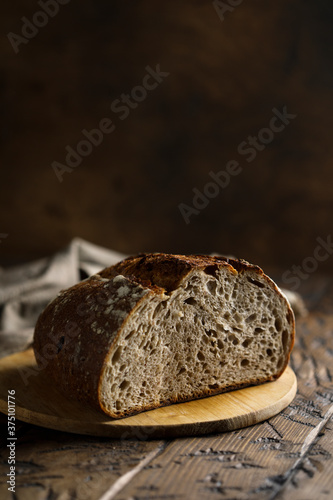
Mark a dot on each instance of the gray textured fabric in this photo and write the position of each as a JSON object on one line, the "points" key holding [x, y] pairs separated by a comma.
{"points": [[25, 290]]}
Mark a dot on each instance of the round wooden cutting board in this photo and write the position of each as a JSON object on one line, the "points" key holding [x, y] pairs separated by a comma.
{"points": [[39, 402]]}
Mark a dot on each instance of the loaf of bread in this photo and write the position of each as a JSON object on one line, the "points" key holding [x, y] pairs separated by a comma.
{"points": [[157, 329]]}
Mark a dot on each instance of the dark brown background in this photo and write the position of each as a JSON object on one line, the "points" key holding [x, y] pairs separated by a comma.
{"points": [[225, 78]]}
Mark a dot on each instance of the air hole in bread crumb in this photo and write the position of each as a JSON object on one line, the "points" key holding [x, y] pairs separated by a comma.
{"points": [[122, 368], [247, 342], [220, 344], [211, 270], [289, 317], [285, 339], [233, 339], [213, 386], [129, 335], [226, 315], [211, 287], [278, 324], [116, 355], [258, 330], [118, 405], [269, 352], [280, 362], [191, 301], [200, 356], [195, 280], [255, 282], [182, 370], [245, 362], [124, 384], [159, 307], [251, 318], [211, 333]]}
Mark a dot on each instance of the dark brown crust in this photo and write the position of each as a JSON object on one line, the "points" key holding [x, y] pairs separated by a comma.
{"points": [[67, 344], [167, 270], [144, 274]]}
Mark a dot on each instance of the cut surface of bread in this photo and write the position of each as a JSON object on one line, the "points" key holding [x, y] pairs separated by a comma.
{"points": [[158, 329]]}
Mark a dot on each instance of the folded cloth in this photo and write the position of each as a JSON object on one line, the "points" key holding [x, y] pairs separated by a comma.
{"points": [[25, 290]]}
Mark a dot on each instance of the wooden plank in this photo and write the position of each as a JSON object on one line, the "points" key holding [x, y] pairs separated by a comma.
{"points": [[313, 478], [53, 464]]}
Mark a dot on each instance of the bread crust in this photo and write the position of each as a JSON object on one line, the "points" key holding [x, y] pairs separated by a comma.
{"points": [[68, 343], [68, 340], [167, 270]]}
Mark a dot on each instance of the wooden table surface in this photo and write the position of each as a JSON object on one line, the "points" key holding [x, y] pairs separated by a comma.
{"points": [[286, 457]]}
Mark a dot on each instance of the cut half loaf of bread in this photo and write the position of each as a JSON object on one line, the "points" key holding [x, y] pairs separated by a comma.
{"points": [[157, 329]]}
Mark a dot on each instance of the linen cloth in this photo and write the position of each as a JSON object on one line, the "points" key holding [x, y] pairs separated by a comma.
{"points": [[25, 290]]}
